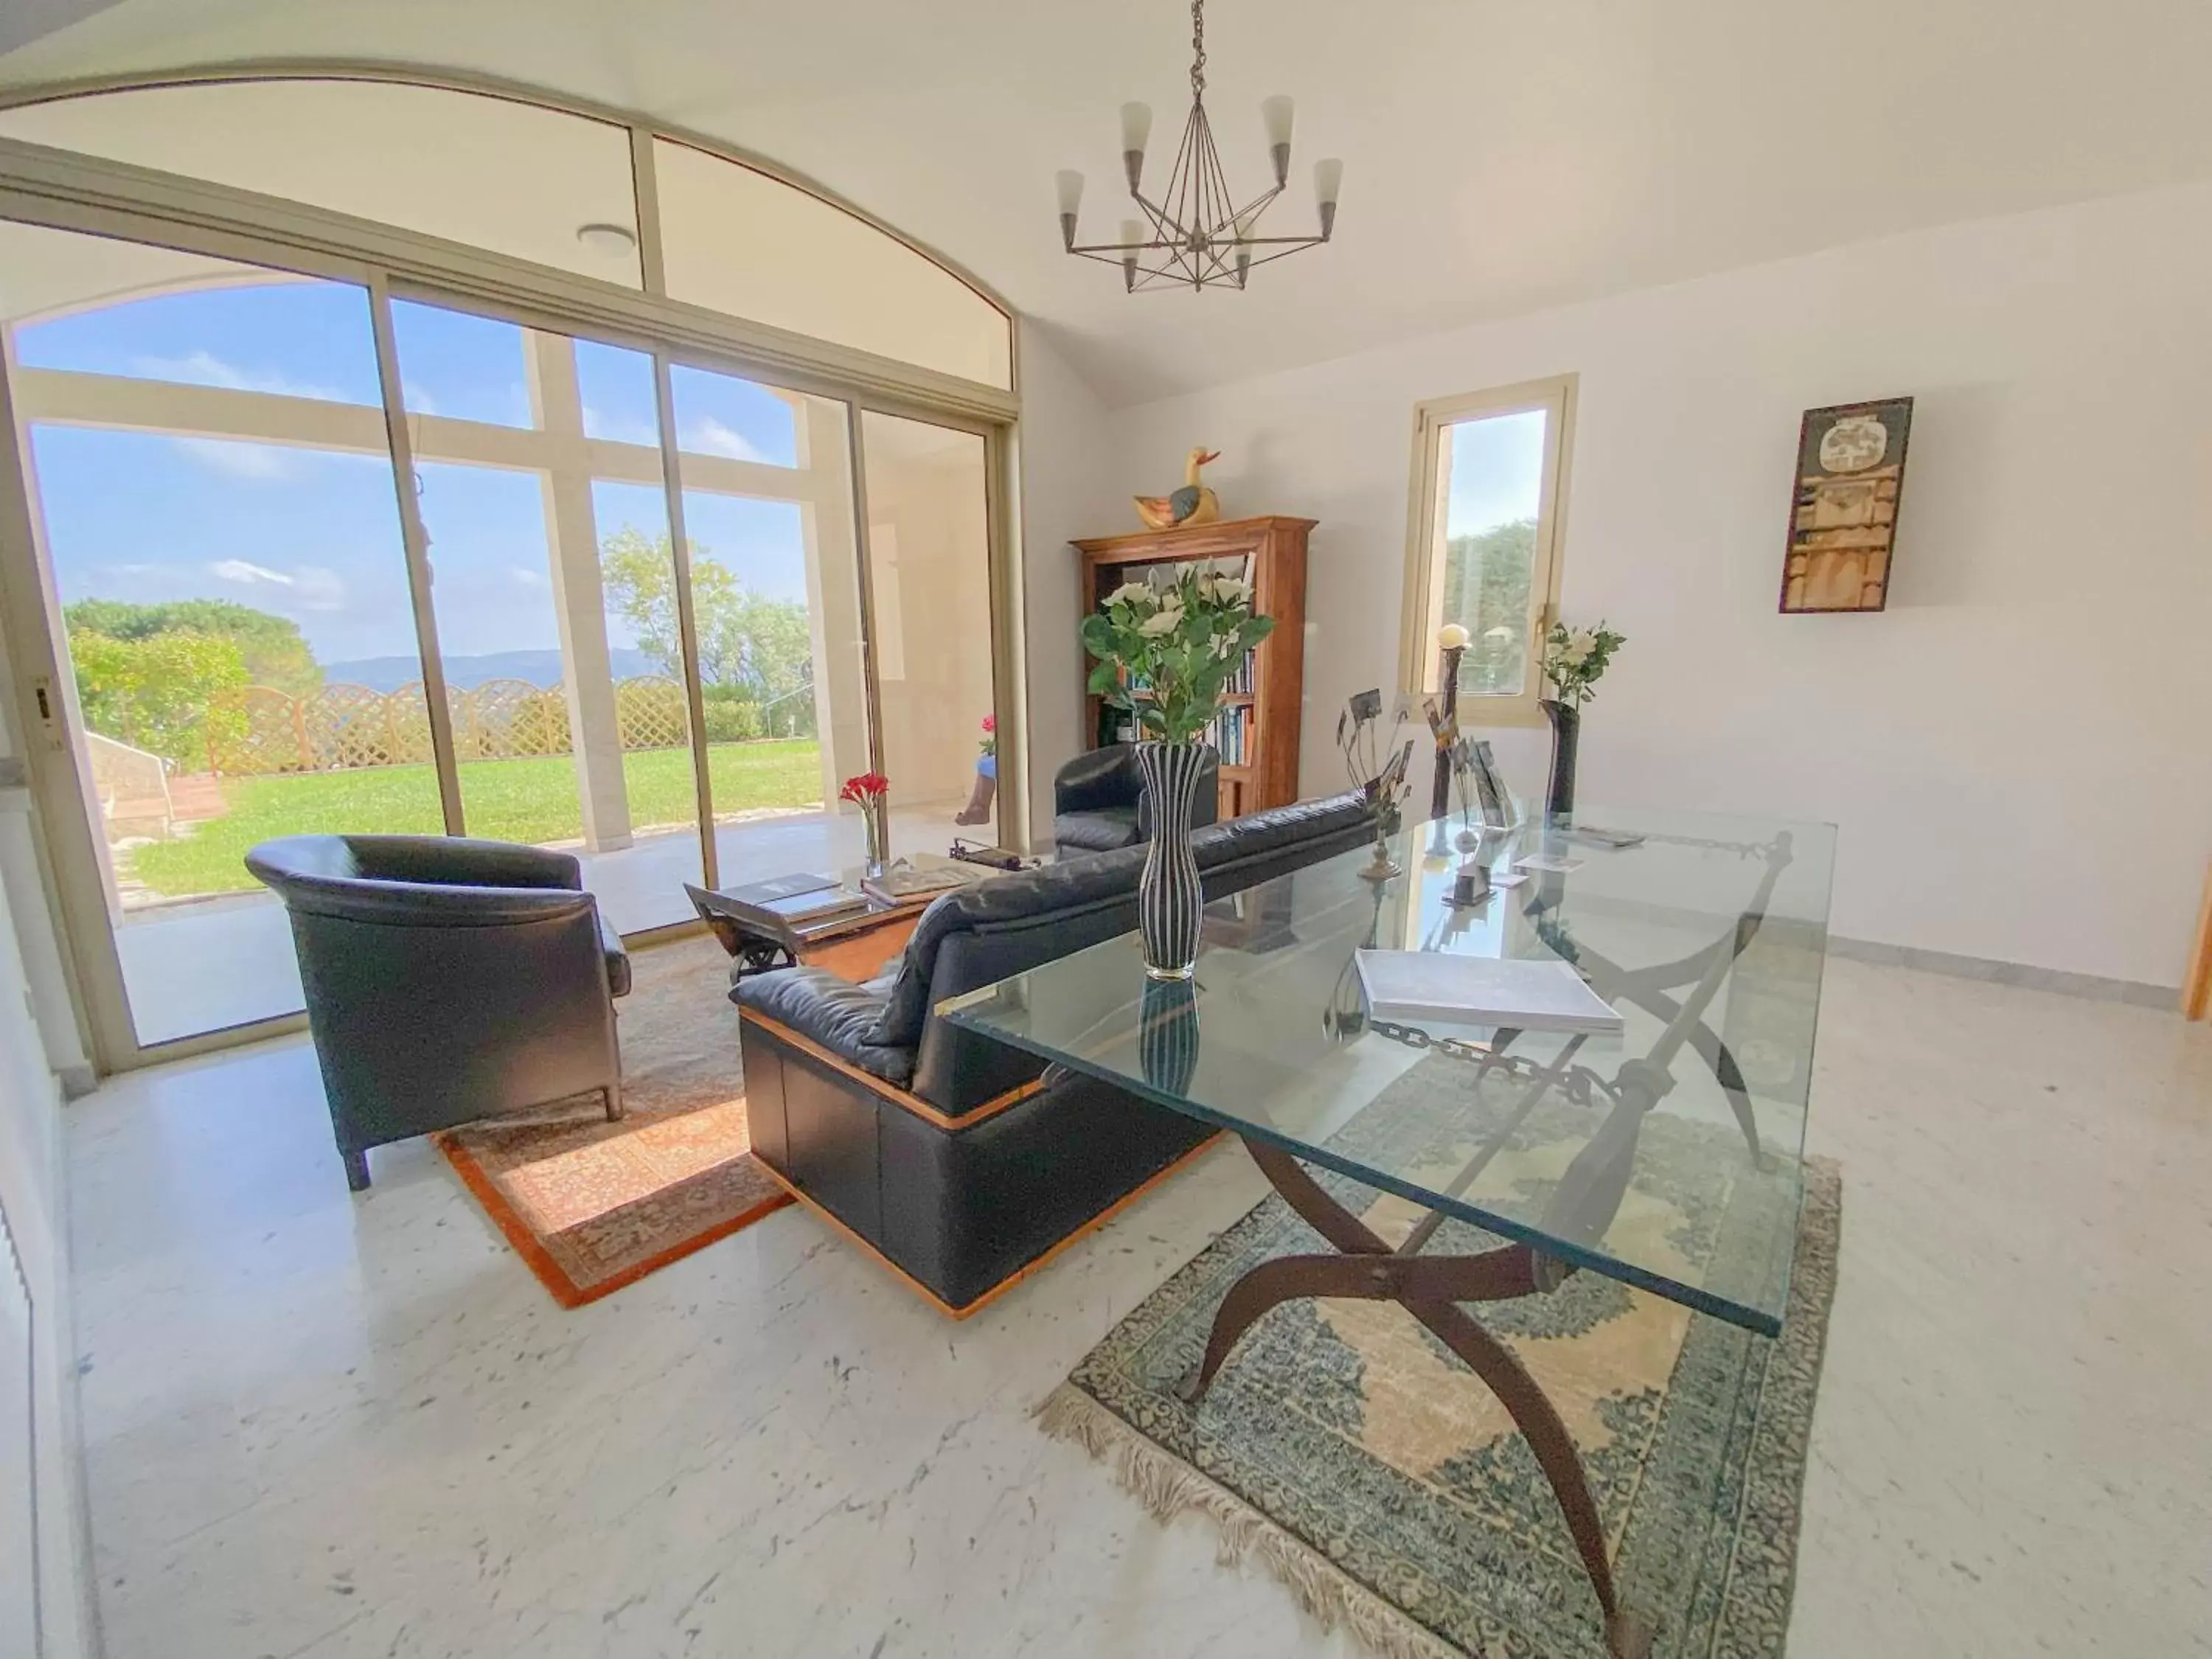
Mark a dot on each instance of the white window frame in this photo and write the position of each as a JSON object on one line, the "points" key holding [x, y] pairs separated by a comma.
{"points": [[1419, 660]]}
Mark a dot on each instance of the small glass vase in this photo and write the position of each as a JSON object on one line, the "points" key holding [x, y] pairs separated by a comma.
{"points": [[1170, 900], [876, 825]]}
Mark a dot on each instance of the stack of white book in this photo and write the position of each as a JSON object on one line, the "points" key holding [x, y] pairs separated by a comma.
{"points": [[1539, 995]]}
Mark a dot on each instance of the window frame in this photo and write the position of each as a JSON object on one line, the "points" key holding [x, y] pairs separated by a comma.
{"points": [[1425, 550]]}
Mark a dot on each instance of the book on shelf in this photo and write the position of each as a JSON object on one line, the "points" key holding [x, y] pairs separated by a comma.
{"points": [[1538, 994], [1230, 732]]}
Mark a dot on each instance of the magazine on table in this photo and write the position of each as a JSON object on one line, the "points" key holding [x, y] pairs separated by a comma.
{"points": [[1540, 995]]}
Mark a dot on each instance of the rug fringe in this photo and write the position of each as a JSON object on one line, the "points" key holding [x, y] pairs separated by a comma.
{"points": [[1167, 1486]]}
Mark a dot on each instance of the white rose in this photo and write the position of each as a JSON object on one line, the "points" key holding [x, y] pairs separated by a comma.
{"points": [[1231, 590], [1132, 593], [1161, 621], [1583, 640], [1575, 652], [1207, 586]]}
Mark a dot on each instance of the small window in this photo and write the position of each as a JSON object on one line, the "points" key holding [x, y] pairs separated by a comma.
{"points": [[1489, 482]]}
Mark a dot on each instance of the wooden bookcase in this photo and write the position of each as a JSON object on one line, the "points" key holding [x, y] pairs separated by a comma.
{"points": [[1272, 553]]}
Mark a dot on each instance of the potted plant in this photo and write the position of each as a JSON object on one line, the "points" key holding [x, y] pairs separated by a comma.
{"points": [[1164, 654], [1574, 658]]}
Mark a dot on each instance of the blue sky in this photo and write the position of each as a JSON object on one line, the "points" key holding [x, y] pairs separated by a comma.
{"points": [[1497, 471], [314, 536]]}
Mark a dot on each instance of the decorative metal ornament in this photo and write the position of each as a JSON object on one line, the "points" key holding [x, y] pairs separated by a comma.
{"points": [[1194, 235]]}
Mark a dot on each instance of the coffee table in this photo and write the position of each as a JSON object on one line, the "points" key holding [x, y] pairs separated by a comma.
{"points": [[761, 939], [1708, 936]]}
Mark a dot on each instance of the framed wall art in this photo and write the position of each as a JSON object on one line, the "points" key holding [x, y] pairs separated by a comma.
{"points": [[1843, 514]]}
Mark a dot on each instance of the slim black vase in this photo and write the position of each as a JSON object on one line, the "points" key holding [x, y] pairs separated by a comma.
{"points": [[1566, 733], [1170, 903]]}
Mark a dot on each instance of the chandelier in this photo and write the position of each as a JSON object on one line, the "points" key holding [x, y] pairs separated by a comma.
{"points": [[1194, 235]]}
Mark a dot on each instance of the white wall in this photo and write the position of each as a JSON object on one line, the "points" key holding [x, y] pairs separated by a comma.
{"points": [[2014, 751], [1071, 486], [31, 1165]]}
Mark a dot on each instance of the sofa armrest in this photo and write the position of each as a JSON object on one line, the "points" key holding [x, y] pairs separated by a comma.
{"points": [[832, 1012]]}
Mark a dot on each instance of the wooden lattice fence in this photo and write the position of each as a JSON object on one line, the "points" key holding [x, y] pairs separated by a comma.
{"points": [[344, 726]]}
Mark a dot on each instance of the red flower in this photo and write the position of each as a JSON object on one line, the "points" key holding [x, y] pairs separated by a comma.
{"points": [[990, 722], [864, 788]]}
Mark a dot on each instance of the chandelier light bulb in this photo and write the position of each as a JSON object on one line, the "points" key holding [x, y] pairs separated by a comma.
{"points": [[1328, 178], [1275, 116], [1071, 199], [1132, 234], [1136, 128]]}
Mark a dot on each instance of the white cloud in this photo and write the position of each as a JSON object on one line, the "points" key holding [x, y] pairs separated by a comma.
{"points": [[205, 369], [238, 460], [709, 436], [240, 571], [526, 577], [310, 587], [417, 398], [617, 429]]}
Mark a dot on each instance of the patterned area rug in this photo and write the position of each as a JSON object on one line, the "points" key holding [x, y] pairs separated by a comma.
{"points": [[593, 1206], [1367, 1466]]}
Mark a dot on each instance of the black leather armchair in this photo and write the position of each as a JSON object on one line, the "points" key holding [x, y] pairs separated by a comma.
{"points": [[446, 980], [959, 1159], [1099, 804]]}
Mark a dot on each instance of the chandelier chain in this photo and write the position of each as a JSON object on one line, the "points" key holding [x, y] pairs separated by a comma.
{"points": [[1198, 48]]}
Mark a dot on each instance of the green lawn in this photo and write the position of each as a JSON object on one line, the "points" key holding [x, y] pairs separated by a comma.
{"points": [[525, 800]]}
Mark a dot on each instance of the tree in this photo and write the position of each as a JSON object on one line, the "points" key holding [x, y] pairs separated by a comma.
{"points": [[751, 647], [156, 692], [1499, 564], [275, 652]]}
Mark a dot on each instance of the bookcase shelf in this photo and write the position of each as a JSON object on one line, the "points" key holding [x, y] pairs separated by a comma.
{"points": [[1260, 765]]}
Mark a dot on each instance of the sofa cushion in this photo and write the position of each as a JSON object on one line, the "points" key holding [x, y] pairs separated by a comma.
{"points": [[833, 1012]]}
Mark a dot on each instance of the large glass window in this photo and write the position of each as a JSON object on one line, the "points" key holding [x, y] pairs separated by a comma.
{"points": [[489, 172], [742, 242], [1484, 543], [218, 531]]}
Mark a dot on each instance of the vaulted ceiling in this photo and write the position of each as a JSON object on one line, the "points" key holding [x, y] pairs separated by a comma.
{"points": [[1500, 156]]}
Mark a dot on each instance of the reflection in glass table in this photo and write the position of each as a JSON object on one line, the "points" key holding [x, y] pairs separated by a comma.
{"points": [[1668, 1156]]}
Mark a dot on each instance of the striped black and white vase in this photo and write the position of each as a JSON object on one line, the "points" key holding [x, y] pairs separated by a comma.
{"points": [[1170, 903]]}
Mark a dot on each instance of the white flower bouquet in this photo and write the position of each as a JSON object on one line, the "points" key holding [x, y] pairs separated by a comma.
{"points": [[1164, 653], [1574, 658]]}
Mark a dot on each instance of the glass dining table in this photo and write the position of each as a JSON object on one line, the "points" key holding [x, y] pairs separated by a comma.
{"points": [[1706, 934]]}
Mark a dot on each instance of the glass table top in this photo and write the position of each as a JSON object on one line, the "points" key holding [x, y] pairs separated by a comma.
{"points": [[1668, 1156]]}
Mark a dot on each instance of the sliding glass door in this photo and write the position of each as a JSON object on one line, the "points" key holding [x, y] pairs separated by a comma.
{"points": [[931, 630], [775, 593], [217, 536], [537, 462]]}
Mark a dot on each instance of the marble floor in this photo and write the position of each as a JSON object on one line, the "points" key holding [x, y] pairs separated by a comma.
{"points": [[338, 1428]]}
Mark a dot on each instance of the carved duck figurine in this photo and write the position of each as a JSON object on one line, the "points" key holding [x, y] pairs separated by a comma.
{"points": [[1193, 504]]}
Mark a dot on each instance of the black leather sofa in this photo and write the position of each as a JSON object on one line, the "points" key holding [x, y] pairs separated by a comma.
{"points": [[446, 980], [956, 1159], [1099, 804]]}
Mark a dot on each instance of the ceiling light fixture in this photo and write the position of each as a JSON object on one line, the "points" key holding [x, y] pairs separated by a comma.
{"points": [[1195, 236], [614, 241]]}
